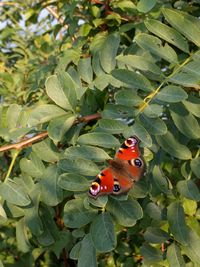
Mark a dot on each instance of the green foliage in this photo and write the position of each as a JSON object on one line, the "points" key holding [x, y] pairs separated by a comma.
{"points": [[80, 77]]}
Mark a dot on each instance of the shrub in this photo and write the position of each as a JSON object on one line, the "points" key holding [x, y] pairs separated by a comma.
{"points": [[79, 77]]}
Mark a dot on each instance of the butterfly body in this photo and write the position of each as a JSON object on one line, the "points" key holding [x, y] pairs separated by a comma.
{"points": [[126, 168]]}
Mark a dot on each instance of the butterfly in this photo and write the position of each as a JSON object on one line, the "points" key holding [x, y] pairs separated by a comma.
{"points": [[124, 170]]}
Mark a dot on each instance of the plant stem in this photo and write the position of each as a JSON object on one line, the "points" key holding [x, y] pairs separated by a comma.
{"points": [[150, 97], [29, 141], [12, 164]]}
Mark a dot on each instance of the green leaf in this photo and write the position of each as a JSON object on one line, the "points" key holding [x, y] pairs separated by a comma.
{"points": [[108, 52], [14, 193], [101, 201], [154, 45], [153, 211], [138, 130], [184, 23], [23, 244], [74, 253], [51, 192], [125, 212], [32, 218], [189, 190], [80, 90], [192, 67], [87, 253], [132, 79], [75, 215], [61, 89], [192, 247], [114, 111], [68, 56], [69, 88], [112, 126], [195, 166], [192, 105], [44, 113], [145, 6], [155, 235], [85, 69], [139, 62], [59, 126], [3, 216], [173, 147], [172, 94], [46, 151], [151, 254], [190, 207], [73, 182], [50, 230], [167, 33], [126, 5], [176, 219], [153, 110], [140, 189], [102, 233], [98, 139], [102, 81], [174, 256], [85, 29], [186, 79], [185, 121], [79, 166], [64, 240], [32, 166], [16, 134], [12, 116], [159, 182], [155, 126], [86, 152], [96, 65], [127, 98]]}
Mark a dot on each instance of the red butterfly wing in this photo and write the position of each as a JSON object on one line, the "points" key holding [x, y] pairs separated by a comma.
{"points": [[129, 149], [103, 184], [126, 168], [128, 164]]}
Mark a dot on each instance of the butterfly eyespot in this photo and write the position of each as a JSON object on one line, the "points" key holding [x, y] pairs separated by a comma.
{"points": [[116, 187], [138, 162], [94, 189], [132, 141]]}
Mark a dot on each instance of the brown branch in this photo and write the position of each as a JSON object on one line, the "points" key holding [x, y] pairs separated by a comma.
{"points": [[29, 141]]}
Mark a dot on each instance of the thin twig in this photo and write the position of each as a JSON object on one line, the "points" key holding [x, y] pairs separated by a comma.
{"points": [[12, 164], [56, 16], [30, 141], [150, 97], [9, 4]]}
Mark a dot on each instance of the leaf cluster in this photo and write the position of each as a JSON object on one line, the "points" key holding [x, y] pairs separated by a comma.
{"points": [[90, 74]]}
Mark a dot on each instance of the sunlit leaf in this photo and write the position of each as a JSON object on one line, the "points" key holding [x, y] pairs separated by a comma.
{"points": [[132, 79], [167, 33], [98, 139], [154, 45], [108, 52], [184, 23]]}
